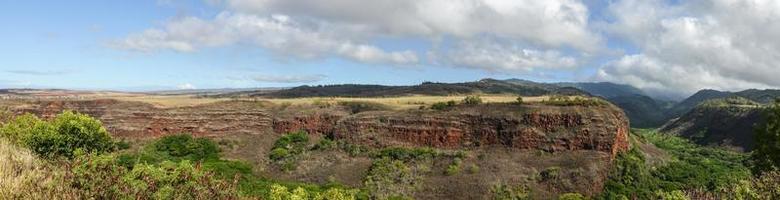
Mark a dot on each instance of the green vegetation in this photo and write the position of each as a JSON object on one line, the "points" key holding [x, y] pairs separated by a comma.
{"points": [[692, 168], [172, 167], [574, 196], [558, 100], [472, 100], [766, 156], [61, 137], [505, 192], [443, 105], [363, 106], [288, 148], [455, 167], [392, 178], [519, 100]]}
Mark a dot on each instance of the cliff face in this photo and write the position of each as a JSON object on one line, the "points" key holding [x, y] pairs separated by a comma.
{"points": [[551, 129], [132, 119], [548, 128]]}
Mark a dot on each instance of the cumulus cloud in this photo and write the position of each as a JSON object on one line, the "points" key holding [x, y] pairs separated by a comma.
{"points": [[277, 32], [186, 86], [496, 57], [352, 29], [551, 23], [719, 44]]}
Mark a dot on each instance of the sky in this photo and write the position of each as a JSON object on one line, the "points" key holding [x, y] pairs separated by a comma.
{"points": [[668, 48]]}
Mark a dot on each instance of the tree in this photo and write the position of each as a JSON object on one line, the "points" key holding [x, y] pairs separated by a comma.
{"points": [[519, 100], [766, 156], [472, 100]]}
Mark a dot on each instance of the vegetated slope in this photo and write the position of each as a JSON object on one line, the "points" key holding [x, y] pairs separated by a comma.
{"points": [[642, 110], [760, 96], [545, 149], [485, 86], [719, 122], [694, 100]]}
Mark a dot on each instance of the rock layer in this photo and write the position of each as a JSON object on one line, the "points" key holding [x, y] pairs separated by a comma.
{"points": [[548, 128]]}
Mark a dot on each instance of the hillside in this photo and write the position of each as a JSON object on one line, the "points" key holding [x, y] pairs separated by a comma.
{"points": [[484, 86], [719, 122], [642, 110], [456, 152]]}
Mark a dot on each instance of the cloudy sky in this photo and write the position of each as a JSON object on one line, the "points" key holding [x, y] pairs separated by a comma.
{"points": [[667, 48]]}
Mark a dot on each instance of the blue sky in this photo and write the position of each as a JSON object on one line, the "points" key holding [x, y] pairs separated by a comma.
{"points": [[666, 48]]}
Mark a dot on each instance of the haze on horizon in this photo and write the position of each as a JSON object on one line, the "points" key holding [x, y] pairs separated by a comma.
{"points": [[668, 48]]}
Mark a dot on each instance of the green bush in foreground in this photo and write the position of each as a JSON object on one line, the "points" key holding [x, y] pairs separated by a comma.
{"points": [[66, 133]]}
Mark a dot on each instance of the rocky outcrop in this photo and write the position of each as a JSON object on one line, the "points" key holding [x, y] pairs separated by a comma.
{"points": [[546, 128], [133, 119]]}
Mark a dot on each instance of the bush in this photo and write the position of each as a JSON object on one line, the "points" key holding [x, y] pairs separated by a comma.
{"points": [[443, 105], [472, 100], [454, 167], [519, 100], [185, 147], [571, 196], [101, 177], [388, 178], [61, 137], [359, 106], [505, 192]]}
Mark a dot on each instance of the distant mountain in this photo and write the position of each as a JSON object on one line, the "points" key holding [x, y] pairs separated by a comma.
{"points": [[719, 122], [643, 111], [484, 86], [605, 89], [760, 96], [694, 100]]}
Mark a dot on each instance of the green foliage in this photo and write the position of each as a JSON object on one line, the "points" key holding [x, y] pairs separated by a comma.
{"points": [[519, 100], [472, 100], [672, 195], [571, 196], [101, 177], [362, 106], [693, 167], [455, 167], [325, 144], [558, 100], [473, 169], [443, 105], [61, 137], [279, 192], [407, 154], [388, 177], [766, 155], [287, 148], [505, 192], [550, 173]]}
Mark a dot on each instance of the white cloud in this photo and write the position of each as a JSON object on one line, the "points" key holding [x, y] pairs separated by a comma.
{"points": [[186, 86], [352, 29], [268, 78], [278, 33], [718, 44], [493, 56], [550, 23]]}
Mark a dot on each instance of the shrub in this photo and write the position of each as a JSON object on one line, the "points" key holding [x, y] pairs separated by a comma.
{"points": [[550, 173], [443, 105], [519, 100], [66, 133], [360, 106], [101, 177], [473, 169], [287, 148], [454, 167], [571, 196], [185, 147], [505, 192], [387, 178], [472, 100], [407, 154], [766, 155]]}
